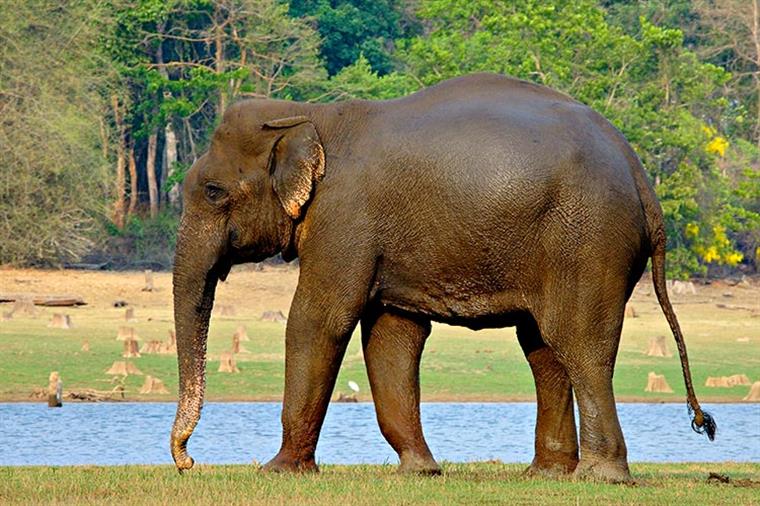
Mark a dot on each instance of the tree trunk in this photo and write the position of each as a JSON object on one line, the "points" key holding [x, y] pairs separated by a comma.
{"points": [[150, 167], [757, 121], [170, 159], [756, 39], [219, 64], [118, 211], [132, 182], [169, 152], [190, 141]]}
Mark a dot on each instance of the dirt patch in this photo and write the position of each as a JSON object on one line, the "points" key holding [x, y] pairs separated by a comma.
{"points": [[718, 478], [250, 292]]}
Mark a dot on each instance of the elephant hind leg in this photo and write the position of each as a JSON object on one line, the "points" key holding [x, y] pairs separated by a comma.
{"points": [[556, 444], [585, 340], [392, 350]]}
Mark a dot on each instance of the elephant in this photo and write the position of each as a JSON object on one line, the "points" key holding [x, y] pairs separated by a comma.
{"points": [[483, 201]]}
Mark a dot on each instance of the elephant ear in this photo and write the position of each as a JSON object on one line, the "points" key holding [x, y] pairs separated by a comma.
{"points": [[298, 162]]}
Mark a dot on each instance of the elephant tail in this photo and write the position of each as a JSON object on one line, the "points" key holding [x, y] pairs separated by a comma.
{"points": [[702, 422]]}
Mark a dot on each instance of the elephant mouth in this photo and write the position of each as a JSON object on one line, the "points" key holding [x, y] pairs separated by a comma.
{"points": [[222, 267], [237, 257]]}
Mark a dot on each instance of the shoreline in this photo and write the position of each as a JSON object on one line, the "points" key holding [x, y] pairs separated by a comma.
{"points": [[368, 400]]}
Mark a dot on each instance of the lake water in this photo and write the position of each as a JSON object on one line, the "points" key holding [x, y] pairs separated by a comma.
{"points": [[138, 433]]}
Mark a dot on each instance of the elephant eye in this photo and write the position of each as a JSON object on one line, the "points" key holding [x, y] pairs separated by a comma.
{"points": [[215, 193]]}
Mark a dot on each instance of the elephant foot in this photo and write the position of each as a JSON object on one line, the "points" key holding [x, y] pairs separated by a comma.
{"points": [[418, 464], [604, 471], [549, 470], [285, 464], [553, 464]]}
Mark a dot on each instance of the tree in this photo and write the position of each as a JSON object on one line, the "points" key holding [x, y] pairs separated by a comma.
{"points": [[667, 102], [360, 81], [184, 61], [352, 27], [53, 173], [733, 40]]}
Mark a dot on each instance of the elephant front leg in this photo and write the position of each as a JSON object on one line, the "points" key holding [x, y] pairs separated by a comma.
{"points": [[556, 444], [314, 348], [392, 350]]}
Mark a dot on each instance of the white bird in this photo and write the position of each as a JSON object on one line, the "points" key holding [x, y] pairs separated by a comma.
{"points": [[353, 386]]}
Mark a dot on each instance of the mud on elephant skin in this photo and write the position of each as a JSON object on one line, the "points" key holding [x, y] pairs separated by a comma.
{"points": [[483, 201]]}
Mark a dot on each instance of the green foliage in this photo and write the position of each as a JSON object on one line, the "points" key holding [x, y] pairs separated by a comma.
{"points": [[360, 81], [642, 78], [52, 176], [146, 241], [352, 27], [672, 75]]}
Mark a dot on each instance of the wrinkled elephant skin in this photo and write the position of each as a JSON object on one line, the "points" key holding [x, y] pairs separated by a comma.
{"points": [[483, 201]]}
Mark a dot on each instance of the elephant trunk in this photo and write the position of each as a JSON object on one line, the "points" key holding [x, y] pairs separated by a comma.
{"points": [[195, 276]]}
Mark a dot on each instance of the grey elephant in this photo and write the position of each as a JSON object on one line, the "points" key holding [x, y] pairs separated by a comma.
{"points": [[483, 201]]}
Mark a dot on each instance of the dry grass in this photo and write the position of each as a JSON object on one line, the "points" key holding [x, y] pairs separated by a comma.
{"points": [[458, 364]]}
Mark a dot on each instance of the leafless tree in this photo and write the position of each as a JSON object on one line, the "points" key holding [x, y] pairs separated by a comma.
{"points": [[735, 28]]}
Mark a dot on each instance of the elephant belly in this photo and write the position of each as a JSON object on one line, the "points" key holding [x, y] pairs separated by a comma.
{"points": [[478, 296], [475, 311]]}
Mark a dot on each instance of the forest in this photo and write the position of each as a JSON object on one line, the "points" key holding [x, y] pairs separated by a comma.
{"points": [[105, 104]]}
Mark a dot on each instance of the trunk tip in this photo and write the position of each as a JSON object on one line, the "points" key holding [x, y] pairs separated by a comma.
{"points": [[182, 460]]}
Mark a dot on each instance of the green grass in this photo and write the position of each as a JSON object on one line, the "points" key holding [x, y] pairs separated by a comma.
{"points": [[458, 364], [479, 483]]}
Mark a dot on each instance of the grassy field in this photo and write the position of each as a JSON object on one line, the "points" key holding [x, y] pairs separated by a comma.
{"points": [[458, 364], [480, 483]]}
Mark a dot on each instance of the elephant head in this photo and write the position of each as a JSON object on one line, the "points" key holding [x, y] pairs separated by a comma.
{"points": [[242, 200]]}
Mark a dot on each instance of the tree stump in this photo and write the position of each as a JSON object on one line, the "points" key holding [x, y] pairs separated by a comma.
{"points": [[754, 393], [630, 312], [242, 334], [86, 346], [227, 363], [122, 368], [225, 310], [60, 321], [24, 305], [153, 386], [148, 281], [125, 333], [55, 390], [717, 382], [118, 368], [130, 349], [151, 347], [129, 315], [739, 379], [273, 316], [171, 345], [728, 381], [658, 347], [346, 397], [657, 383], [682, 287], [236, 348]]}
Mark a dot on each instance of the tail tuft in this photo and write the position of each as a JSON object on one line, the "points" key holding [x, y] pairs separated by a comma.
{"points": [[704, 423]]}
